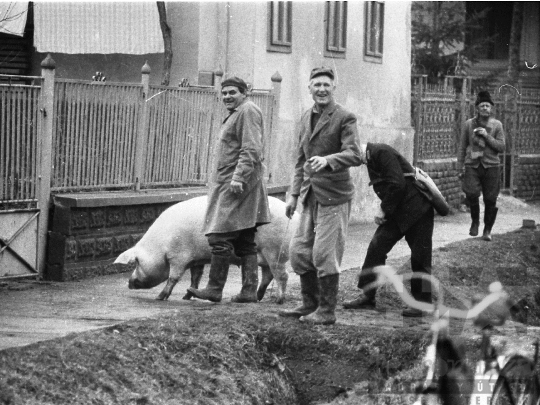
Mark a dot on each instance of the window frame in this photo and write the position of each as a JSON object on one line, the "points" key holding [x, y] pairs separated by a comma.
{"points": [[374, 22], [335, 26], [279, 32]]}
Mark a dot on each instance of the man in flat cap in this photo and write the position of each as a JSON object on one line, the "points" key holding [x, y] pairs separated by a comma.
{"points": [[237, 199], [328, 145], [482, 139]]}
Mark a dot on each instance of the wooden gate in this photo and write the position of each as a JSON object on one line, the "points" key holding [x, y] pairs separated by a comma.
{"points": [[19, 163]]}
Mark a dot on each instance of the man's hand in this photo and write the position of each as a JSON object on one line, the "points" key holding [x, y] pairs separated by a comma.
{"points": [[318, 163], [237, 187], [290, 207], [380, 217], [480, 132]]}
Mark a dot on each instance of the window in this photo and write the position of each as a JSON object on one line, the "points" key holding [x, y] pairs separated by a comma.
{"points": [[336, 29], [280, 26], [374, 13]]}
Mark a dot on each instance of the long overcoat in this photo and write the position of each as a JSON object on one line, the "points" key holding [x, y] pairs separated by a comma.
{"points": [[334, 137], [400, 200], [239, 157]]}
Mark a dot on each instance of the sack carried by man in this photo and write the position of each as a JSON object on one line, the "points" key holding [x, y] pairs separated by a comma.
{"points": [[429, 189]]}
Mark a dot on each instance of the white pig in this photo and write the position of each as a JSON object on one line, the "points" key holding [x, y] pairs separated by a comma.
{"points": [[175, 242]]}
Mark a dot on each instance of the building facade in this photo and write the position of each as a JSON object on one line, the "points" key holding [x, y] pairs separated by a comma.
{"points": [[367, 44]]}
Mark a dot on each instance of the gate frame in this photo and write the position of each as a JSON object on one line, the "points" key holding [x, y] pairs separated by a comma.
{"points": [[48, 66]]}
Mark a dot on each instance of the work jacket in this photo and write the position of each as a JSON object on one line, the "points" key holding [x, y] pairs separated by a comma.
{"points": [[400, 200], [335, 137], [475, 150], [239, 155]]}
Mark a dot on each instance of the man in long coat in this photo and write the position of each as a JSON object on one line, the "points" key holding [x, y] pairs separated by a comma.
{"points": [[237, 199], [404, 212], [328, 145]]}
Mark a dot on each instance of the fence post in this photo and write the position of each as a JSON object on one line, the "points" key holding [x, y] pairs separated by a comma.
{"points": [[142, 132], [217, 82], [463, 113], [418, 91], [45, 161]]}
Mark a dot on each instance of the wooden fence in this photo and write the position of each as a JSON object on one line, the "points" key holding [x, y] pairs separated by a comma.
{"points": [[111, 136], [60, 135], [19, 132]]}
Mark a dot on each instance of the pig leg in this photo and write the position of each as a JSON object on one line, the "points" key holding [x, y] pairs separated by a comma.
{"points": [[271, 269], [175, 274], [196, 275], [281, 277], [167, 290], [281, 281], [266, 279]]}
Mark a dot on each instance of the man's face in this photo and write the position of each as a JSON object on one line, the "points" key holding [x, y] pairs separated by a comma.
{"points": [[322, 90], [484, 109], [232, 97]]}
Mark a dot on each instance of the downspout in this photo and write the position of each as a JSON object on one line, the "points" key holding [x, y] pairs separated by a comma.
{"points": [[227, 32]]}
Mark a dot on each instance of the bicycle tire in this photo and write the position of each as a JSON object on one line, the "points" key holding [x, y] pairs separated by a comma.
{"points": [[518, 383]]}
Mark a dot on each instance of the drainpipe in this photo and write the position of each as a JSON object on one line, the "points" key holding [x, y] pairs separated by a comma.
{"points": [[228, 30]]}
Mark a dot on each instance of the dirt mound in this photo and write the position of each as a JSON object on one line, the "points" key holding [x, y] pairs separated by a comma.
{"points": [[245, 354]]}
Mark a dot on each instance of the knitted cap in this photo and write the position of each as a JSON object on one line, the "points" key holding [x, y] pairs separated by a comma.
{"points": [[484, 97]]}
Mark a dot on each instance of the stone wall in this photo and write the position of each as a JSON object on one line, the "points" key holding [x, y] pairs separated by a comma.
{"points": [[89, 230], [444, 174], [527, 177]]}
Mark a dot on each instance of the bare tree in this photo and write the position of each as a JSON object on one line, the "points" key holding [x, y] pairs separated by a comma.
{"points": [[515, 42], [167, 42]]}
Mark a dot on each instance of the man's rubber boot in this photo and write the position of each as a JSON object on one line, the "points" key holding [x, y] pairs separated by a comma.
{"points": [[250, 280], [364, 301], [475, 216], [219, 269], [309, 288], [489, 219], [326, 313]]}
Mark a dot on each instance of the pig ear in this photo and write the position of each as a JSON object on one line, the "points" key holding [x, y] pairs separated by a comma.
{"points": [[128, 257]]}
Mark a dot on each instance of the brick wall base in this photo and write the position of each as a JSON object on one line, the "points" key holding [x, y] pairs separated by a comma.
{"points": [[527, 177], [89, 230]]}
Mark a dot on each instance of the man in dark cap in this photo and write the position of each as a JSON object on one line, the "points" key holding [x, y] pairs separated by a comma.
{"points": [[237, 199], [328, 145], [482, 139]]}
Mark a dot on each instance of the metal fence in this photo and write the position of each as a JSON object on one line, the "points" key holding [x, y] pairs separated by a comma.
{"points": [[438, 112]]}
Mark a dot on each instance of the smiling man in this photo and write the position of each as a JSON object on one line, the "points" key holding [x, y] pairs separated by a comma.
{"points": [[237, 199], [328, 145], [482, 139]]}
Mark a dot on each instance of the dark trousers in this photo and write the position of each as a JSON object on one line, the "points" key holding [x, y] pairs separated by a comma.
{"points": [[241, 242], [418, 237], [485, 180]]}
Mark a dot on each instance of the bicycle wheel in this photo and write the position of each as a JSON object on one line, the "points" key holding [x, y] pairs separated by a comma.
{"points": [[518, 384]]}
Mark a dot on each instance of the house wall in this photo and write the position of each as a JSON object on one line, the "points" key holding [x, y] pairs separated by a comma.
{"points": [[378, 93], [232, 37], [530, 39]]}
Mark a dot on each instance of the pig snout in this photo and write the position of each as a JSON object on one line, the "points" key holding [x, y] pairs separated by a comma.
{"points": [[135, 284]]}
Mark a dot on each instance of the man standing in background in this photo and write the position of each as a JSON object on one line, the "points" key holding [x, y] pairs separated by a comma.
{"points": [[482, 139]]}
